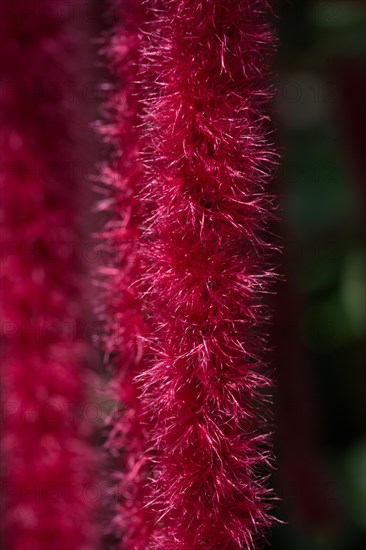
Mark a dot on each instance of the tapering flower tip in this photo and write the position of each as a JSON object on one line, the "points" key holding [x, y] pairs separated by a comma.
{"points": [[208, 158], [46, 462], [120, 309]]}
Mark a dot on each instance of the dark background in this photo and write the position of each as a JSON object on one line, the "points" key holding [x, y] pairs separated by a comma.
{"points": [[318, 333]]}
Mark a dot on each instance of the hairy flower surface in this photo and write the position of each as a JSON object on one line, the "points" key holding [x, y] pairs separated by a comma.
{"points": [[208, 159], [120, 311], [46, 461]]}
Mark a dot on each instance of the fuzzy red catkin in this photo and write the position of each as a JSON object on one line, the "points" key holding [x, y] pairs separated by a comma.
{"points": [[46, 461], [120, 309], [208, 158]]}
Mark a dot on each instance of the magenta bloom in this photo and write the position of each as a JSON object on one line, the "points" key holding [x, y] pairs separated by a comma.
{"points": [[208, 160], [46, 462], [121, 312]]}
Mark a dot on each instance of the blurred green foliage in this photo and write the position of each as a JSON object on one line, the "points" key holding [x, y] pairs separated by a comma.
{"points": [[324, 212]]}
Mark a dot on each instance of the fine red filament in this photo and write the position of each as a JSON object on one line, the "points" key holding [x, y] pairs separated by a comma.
{"points": [[208, 160]]}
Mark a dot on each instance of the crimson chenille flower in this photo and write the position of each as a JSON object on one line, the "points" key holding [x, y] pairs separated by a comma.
{"points": [[120, 305], [46, 461], [208, 159]]}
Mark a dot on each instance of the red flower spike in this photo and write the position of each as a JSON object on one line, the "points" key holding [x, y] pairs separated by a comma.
{"points": [[46, 462], [120, 309], [208, 160]]}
